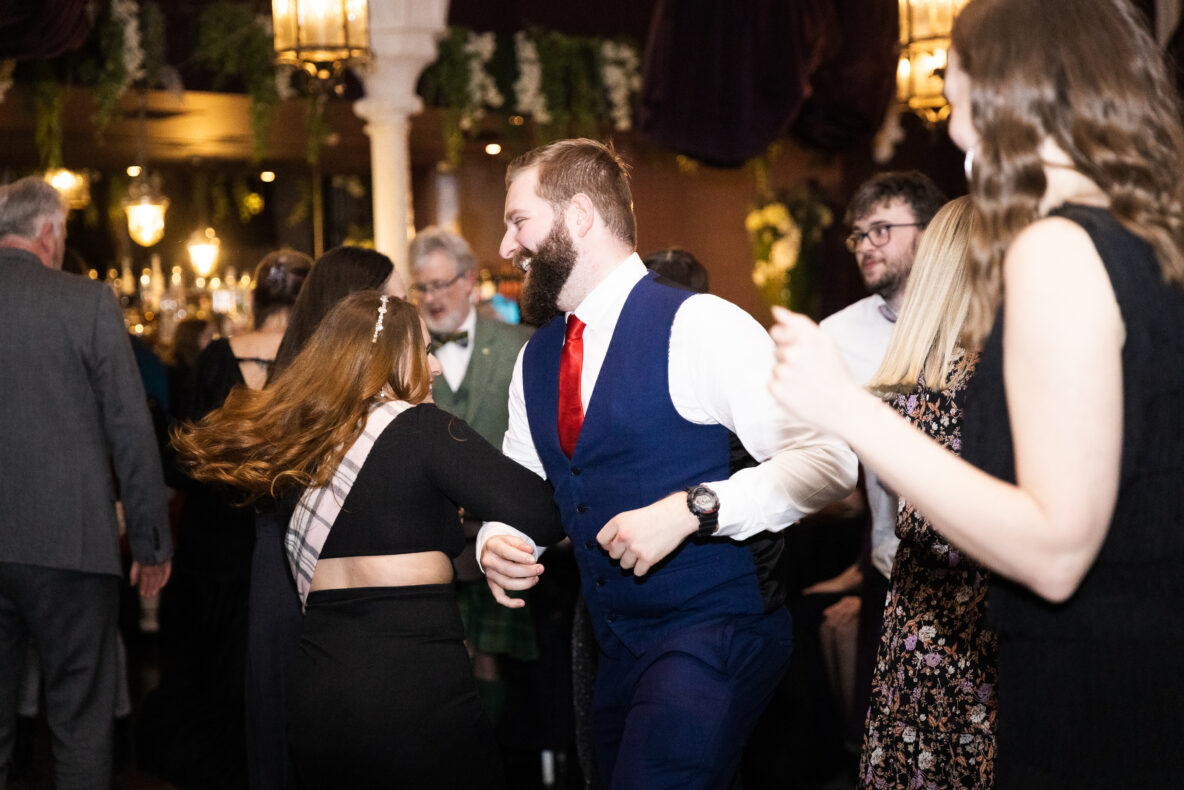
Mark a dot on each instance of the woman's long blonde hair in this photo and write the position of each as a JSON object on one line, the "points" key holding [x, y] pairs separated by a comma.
{"points": [[933, 314], [293, 433], [1087, 75]]}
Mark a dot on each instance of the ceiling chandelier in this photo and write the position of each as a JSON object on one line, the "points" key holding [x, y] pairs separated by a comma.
{"points": [[144, 205], [925, 27], [321, 37], [203, 249]]}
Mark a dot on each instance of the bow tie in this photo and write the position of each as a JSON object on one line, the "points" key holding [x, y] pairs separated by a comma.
{"points": [[888, 313], [461, 338]]}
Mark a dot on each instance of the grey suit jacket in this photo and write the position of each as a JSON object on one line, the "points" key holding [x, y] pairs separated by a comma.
{"points": [[487, 379], [72, 413]]}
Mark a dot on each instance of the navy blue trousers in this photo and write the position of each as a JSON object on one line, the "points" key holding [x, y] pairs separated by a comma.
{"points": [[678, 715]]}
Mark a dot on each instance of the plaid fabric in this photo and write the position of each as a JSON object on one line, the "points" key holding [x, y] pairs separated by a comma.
{"points": [[318, 507], [493, 628]]}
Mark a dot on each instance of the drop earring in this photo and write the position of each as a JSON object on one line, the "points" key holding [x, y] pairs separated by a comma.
{"points": [[968, 162]]}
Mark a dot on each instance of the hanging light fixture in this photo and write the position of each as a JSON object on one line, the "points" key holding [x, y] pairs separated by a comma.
{"points": [[925, 27], [145, 205], [74, 186], [203, 251], [321, 36]]}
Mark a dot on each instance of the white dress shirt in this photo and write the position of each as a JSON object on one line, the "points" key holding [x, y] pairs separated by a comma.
{"points": [[720, 364], [862, 333], [454, 358]]}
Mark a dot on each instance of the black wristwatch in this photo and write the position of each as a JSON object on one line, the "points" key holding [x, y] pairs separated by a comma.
{"points": [[704, 505]]}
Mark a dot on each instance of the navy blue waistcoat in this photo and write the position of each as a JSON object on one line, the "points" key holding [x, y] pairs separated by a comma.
{"points": [[634, 449]]}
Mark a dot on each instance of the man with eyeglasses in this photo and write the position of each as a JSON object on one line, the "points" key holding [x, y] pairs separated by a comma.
{"points": [[477, 354], [886, 217]]}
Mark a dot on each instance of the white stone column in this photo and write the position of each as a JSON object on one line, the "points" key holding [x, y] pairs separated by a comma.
{"points": [[403, 36]]}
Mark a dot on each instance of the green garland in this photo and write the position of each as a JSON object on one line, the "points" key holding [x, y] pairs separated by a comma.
{"points": [[570, 85], [232, 44]]}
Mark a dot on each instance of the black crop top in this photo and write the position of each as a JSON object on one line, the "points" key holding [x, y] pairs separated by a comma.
{"points": [[425, 465]]}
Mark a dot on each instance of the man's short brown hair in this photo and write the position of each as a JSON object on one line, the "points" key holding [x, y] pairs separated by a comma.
{"points": [[570, 167]]}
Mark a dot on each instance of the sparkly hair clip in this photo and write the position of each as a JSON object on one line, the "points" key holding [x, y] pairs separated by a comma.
{"points": [[378, 324]]}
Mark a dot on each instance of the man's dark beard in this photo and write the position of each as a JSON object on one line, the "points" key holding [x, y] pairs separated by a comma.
{"points": [[890, 284], [550, 266]]}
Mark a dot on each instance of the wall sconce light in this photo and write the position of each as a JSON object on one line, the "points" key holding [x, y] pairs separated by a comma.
{"points": [[925, 27], [203, 251], [74, 186]]}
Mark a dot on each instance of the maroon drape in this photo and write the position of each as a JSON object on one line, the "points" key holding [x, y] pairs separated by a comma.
{"points": [[723, 78], [42, 28]]}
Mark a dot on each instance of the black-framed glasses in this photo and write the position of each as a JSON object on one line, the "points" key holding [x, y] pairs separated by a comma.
{"points": [[878, 235], [429, 289]]}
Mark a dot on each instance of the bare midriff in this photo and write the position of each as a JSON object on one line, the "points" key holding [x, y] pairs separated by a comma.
{"points": [[383, 570]]}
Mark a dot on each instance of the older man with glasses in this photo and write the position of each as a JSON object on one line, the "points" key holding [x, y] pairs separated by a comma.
{"points": [[887, 216], [477, 354]]}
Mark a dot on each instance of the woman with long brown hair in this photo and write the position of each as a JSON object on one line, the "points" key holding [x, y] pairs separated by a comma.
{"points": [[382, 690], [1074, 427], [275, 616]]}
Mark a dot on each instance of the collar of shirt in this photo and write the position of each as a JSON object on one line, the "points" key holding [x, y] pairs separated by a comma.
{"points": [[599, 311], [453, 358]]}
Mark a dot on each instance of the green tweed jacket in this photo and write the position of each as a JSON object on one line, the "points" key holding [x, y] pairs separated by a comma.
{"points": [[482, 400]]}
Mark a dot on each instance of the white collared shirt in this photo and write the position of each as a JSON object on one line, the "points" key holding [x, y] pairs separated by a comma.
{"points": [[454, 358], [720, 364], [862, 332]]}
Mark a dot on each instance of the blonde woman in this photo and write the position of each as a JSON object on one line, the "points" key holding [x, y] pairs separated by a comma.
{"points": [[931, 716]]}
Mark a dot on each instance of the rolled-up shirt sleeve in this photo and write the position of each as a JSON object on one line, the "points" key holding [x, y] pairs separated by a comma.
{"points": [[720, 363]]}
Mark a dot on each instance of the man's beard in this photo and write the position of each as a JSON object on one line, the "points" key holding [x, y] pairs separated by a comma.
{"points": [[891, 284], [547, 271], [894, 275]]}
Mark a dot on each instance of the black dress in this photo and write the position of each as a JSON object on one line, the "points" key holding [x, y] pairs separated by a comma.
{"points": [[193, 732], [1090, 690], [382, 690]]}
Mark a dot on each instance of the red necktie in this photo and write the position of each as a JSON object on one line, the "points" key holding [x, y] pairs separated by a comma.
{"points": [[571, 405]]}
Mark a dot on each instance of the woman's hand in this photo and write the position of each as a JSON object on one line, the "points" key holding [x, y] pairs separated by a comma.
{"points": [[810, 378]]}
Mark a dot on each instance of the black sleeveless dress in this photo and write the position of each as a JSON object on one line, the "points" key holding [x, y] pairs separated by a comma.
{"points": [[1090, 690]]}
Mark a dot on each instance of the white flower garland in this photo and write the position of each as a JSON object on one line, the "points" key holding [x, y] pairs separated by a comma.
{"points": [[619, 64], [482, 88], [528, 92], [127, 14]]}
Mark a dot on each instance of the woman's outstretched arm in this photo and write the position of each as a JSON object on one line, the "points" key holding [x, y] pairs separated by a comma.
{"points": [[1063, 371]]}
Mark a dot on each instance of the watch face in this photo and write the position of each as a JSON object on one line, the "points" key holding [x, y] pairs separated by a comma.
{"points": [[705, 500]]}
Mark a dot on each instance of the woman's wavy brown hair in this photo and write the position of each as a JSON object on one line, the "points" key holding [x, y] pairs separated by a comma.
{"points": [[1087, 75], [293, 433]]}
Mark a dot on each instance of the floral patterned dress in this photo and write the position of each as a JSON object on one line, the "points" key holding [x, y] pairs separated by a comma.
{"points": [[931, 721]]}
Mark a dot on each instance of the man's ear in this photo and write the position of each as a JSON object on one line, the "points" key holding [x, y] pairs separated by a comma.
{"points": [[47, 239], [47, 235], [582, 213]]}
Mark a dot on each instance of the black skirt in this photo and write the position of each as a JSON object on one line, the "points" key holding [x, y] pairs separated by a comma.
{"points": [[383, 694]]}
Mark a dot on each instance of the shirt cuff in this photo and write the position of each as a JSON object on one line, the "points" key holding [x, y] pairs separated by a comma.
{"points": [[491, 528], [734, 519]]}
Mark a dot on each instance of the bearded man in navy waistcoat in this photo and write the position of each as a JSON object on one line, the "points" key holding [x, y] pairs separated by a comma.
{"points": [[623, 400]]}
